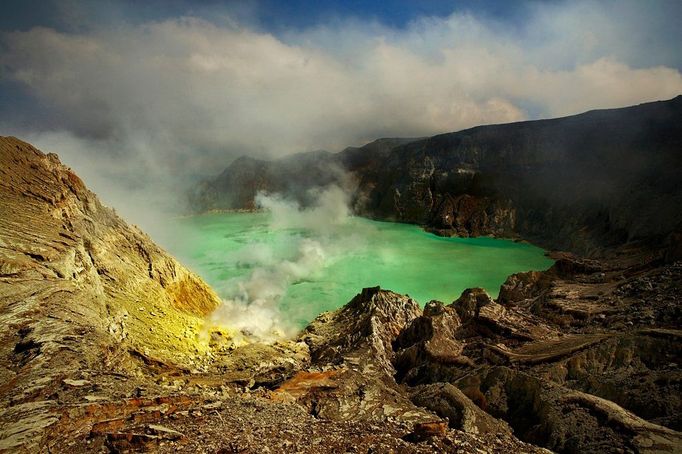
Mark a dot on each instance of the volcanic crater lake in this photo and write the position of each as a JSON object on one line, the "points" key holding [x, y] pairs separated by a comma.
{"points": [[294, 272]]}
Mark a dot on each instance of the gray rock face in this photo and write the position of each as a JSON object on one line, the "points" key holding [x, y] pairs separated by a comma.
{"points": [[361, 334], [579, 183], [575, 183]]}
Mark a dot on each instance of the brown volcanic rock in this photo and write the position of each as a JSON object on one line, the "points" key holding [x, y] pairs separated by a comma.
{"points": [[357, 350], [429, 343], [591, 364], [357, 340], [638, 371], [78, 292], [470, 302], [564, 420], [433, 333], [102, 349], [449, 402], [488, 318], [361, 334], [521, 288], [343, 394]]}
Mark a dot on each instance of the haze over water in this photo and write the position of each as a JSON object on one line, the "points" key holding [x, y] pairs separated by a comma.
{"points": [[275, 276]]}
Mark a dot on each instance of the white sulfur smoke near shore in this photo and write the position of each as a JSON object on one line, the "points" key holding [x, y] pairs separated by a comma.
{"points": [[330, 210], [251, 304]]}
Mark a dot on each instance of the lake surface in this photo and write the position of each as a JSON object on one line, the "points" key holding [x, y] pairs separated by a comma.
{"points": [[281, 275]]}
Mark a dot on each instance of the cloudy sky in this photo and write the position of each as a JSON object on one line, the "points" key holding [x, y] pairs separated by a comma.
{"points": [[130, 92]]}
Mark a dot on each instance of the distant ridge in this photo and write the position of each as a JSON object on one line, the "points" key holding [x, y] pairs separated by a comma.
{"points": [[583, 182]]}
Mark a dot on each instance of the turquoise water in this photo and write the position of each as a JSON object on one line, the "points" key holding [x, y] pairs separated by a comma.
{"points": [[286, 274]]}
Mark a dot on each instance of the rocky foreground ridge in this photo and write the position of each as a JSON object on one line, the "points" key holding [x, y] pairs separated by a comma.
{"points": [[580, 183], [104, 349]]}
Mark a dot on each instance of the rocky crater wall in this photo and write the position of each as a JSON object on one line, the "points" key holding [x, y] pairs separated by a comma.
{"points": [[581, 183]]}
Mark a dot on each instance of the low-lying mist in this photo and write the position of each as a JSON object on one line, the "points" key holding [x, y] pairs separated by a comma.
{"points": [[251, 303]]}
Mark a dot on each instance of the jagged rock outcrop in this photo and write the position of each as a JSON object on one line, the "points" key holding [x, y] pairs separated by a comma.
{"points": [[357, 342], [429, 343], [361, 334], [432, 334], [579, 358], [524, 363], [579, 183], [517, 364], [357, 351]]}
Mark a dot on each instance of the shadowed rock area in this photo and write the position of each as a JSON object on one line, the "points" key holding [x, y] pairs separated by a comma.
{"points": [[580, 183]]}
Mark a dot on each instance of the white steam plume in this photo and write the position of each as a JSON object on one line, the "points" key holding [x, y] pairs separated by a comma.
{"points": [[330, 210], [251, 304]]}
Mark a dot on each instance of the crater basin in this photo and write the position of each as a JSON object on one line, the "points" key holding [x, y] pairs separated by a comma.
{"points": [[305, 270]]}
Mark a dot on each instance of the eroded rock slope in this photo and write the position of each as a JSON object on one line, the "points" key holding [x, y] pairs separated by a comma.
{"points": [[81, 293]]}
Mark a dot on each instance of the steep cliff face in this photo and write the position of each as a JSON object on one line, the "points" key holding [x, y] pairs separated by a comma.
{"points": [[81, 291], [579, 183]]}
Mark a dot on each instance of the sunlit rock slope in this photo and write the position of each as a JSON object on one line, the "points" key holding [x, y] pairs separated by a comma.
{"points": [[80, 290]]}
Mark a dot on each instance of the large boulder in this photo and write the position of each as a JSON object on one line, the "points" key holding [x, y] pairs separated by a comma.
{"points": [[448, 401], [564, 420], [361, 334], [483, 316]]}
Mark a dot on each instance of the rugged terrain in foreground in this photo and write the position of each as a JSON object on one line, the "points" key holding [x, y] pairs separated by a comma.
{"points": [[104, 349]]}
